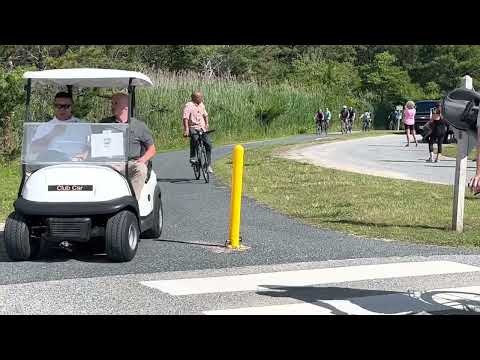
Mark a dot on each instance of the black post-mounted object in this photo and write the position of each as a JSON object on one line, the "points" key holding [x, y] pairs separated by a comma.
{"points": [[460, 109]]}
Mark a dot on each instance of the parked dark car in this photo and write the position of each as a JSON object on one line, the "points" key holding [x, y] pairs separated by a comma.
{"points": [[423, 114]]}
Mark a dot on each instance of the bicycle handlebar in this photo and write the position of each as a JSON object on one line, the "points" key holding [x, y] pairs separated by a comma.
{"points": [[201, 132]]}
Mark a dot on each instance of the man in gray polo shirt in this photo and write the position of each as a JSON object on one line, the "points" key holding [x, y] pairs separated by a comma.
{"points": [[142, 148]]}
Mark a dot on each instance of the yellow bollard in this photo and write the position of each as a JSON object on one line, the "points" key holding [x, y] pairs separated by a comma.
{"points": [[236, 197]]}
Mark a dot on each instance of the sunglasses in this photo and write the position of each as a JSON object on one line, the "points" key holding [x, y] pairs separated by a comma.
{"points": [[63, 106]]}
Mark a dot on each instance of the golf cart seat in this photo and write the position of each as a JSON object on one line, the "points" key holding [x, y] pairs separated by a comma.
{"points": [[460, 109]]}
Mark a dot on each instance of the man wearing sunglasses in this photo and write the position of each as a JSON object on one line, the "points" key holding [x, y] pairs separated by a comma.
{"points": [[57, 142]]}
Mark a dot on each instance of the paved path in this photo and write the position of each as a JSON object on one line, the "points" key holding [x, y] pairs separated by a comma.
{"points": [[382, 156], [297, 267], [395, 285]]}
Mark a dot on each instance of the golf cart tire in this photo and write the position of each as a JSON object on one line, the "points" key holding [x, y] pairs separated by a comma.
{"points": [[17, 237], [117, 245], [156, 231]]}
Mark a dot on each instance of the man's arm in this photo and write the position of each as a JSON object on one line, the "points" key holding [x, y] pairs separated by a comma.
{"points": [[149, 154], [186, 116], [205, 117], [185, 127], [42, 141]]}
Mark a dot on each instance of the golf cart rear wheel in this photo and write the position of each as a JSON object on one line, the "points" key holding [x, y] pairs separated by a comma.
{"points": [[156, 230], [121, 236], [17, 237]]}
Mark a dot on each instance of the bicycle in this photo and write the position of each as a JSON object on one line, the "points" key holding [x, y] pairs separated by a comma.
{"points": [[344, 126], [200, 166], [322, 127], [366, 125], [349, 126]]}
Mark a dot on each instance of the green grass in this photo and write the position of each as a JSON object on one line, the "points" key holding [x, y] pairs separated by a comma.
{"points": [[10, 177], [450, 150], [357, 204], [10, 173]]}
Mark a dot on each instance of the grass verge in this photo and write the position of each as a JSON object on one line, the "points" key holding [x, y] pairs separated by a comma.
{"points": [[357, 204], [450, 150], [10, 178]]}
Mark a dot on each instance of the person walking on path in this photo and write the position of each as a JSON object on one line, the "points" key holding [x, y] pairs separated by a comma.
{"points": [[437, 133], [409, 121]]}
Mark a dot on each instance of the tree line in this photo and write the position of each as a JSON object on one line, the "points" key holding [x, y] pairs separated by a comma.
{"points": [[379, 75]]}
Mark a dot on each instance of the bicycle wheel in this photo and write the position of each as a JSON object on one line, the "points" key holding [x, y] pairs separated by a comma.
{"points": [[196, 166], [196, 170], [204, 163]]}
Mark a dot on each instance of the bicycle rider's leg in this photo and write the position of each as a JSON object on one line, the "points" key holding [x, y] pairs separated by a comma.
{"points": [[208, 148], [193, 142]]}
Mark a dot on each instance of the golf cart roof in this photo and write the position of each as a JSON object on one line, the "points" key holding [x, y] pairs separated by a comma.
{"points": [[88, 78]]}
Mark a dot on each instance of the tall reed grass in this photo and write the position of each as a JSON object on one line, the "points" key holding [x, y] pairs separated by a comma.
{"points": [[238, 110]]}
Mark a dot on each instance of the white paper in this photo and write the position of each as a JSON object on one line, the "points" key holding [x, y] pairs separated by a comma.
{"points": [[107, 144]]}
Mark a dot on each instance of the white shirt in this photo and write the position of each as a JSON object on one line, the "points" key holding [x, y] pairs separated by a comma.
{"points": [[73, 141]]}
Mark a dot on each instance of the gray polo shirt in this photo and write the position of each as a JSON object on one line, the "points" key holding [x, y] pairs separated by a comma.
{"points": [[140, 136]]}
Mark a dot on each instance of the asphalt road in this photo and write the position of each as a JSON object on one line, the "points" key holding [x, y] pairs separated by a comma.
{"points": [[384, 156], [196, 228]]}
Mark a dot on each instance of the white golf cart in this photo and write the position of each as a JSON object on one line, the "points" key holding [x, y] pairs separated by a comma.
{"points": [[75, 185]]}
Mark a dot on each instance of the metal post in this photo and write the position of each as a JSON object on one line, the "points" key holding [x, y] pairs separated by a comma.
{"points": [[128, 132], [461, 170], [28, 89], [236, 197]]}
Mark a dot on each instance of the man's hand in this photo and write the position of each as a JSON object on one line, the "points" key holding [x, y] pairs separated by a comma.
{"points": [[474, 183], [185, 133], [141, 160], [80, 157]]}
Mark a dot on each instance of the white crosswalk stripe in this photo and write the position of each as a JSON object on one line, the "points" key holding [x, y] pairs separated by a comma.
{"points": [[464, 298], [255, 282]]}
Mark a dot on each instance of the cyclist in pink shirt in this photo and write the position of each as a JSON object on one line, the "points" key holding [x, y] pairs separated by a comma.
{"points": [[195, 118], [409, 121]]}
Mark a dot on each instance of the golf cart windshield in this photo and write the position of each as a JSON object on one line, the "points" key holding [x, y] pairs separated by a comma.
{"points": [[59, 143]]}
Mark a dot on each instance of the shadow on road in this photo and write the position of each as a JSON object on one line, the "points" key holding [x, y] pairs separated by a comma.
{"points": [[379, 301], [198, 243], [178, 181], [56, 255], [353, 222]]}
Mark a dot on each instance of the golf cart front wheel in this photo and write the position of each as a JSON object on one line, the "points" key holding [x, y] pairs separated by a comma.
{"points": [[156, 230], [17, 237], [121, 236]]}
